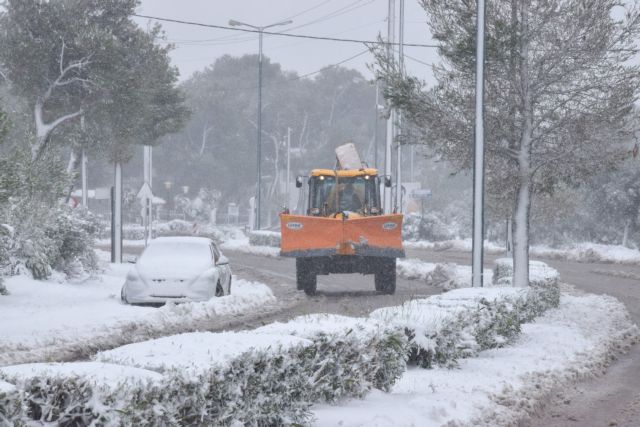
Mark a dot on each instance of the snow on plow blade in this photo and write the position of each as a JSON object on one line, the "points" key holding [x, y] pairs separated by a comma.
{"points": [[307, 236]]}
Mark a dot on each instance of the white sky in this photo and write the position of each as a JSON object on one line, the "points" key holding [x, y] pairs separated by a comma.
{"points": [[197, 47]]}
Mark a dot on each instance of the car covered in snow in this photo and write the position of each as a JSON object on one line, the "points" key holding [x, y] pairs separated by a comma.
{"points": [[178, 269]]}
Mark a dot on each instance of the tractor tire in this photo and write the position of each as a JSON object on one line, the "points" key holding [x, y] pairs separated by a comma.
{"points": [[385, 276], [306, 278]]}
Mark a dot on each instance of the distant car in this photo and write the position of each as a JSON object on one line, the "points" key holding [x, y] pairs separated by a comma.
{"points": [[178, 269]]}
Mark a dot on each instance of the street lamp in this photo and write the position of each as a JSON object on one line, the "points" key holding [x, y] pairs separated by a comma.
{"points": [[235, 23]]}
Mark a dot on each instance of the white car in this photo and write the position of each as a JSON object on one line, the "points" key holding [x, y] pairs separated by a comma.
{"points": [[178, 269]]}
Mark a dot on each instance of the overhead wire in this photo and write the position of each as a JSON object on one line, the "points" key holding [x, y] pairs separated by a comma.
{"points": [[282, 34]]}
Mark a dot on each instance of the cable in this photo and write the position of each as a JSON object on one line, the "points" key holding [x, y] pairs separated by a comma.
{"points": [[308, 10], [238, 38], [419, 61], [246, 30]]}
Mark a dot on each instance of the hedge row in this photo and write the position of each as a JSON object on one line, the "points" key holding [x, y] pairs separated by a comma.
{"points": [[440, 333], [264, 238], [337, 357], [263, 388]]}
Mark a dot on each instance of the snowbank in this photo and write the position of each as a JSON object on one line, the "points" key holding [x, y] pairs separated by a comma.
{"points": [[240, 243], [581, 252], [590, 252], [461, 245], [47, 320], [499, 386], [446, 276]]}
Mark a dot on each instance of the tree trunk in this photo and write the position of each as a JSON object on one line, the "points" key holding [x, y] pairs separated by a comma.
{"points": [[74, 160], [625, 235], [521, 235], [525, 176]]}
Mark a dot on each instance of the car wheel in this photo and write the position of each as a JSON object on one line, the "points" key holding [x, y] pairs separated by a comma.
{"points": [[219, 290]]}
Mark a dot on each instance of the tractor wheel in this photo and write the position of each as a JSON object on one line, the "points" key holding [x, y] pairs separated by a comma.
{"points": [[306, 278], [385, 276]]}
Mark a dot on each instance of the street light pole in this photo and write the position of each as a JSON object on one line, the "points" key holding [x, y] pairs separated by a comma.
{"points": [[260, 30], [478, 165]]}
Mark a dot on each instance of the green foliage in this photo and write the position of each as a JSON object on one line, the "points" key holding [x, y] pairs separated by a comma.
{"points": [[488, 324], [45, 233], [89, 56]]}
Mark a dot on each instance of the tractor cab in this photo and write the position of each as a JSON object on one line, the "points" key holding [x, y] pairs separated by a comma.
{"points": [[336, 192]]}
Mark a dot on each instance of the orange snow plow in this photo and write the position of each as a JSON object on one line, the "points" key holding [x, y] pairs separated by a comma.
{"points": [[344, 230]]}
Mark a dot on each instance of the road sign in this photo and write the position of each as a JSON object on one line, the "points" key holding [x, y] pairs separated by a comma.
{"points": [[424, 194], [145, 194]]}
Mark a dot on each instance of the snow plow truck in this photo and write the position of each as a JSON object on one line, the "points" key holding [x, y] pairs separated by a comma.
{"points": [[344, 228]]}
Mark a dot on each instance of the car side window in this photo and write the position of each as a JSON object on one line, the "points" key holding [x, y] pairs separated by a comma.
{"points": [[216, 252]]}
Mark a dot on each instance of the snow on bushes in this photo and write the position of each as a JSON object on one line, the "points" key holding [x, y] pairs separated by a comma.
{"points": [[427, 227], [272, 375], [59, 238], [460, 323], [255, 379], [9, 404], [445, 276], [264, 238]]}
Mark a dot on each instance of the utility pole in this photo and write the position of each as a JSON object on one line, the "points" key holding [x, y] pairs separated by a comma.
{"points": [[391, 33], [478, 165], [148, 174], [83, 168], [398, 198], [375, 127], [288, 182], [116, 216], [260, 30]]}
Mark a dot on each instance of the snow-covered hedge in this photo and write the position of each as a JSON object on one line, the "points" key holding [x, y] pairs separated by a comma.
{"points": [[272, 375], [460, 323], [264, 238], [273, 384], [9, 403], [41, 240], [428, 227]]}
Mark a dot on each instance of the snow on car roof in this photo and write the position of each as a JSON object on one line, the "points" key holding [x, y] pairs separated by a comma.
{"points": [[181, 239]]}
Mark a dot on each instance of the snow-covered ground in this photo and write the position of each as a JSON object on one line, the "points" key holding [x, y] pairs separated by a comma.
{"points": [[446, 276], [582, 252], [590, 252], [500, 385], [240, 243], [42, 318]]}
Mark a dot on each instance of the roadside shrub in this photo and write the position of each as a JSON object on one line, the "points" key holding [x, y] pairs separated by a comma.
{"points": [[268, 387], [428, 227], [62, 240], [264, 238]]}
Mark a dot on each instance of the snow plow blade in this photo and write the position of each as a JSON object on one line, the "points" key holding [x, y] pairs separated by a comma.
{"points": [[311, 236]]}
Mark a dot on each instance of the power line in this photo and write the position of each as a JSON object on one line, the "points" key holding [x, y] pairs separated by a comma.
{"points": [[273, 33]]}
